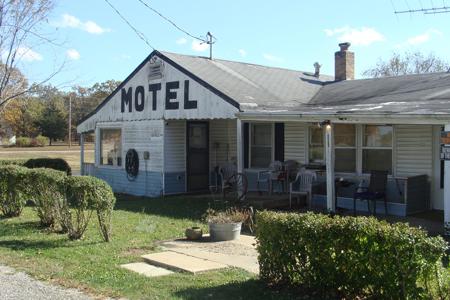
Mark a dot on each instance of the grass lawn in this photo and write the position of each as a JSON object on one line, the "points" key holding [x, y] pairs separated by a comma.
{"points": [[71, 155], [93, 265]]}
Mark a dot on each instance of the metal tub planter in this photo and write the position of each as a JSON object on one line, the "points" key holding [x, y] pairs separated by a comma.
{"points": [[225, 231]]}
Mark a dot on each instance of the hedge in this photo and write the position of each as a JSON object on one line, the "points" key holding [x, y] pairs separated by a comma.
{"points": [[346, 257], [14, 188], [17, 162], [50, 163], [48, 194], [84, 194]]}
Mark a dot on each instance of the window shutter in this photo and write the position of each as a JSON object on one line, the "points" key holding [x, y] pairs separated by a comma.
{"points": [[246, 144], [279, 142]]}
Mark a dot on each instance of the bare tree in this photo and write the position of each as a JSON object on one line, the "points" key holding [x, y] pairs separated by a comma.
{"points": [[19, 23], [408, 63]]}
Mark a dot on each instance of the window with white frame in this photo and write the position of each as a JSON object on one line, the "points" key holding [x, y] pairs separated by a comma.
{"points": [[261, 145], [316, 147], [345, 148], [377, 148], [111, 147]]}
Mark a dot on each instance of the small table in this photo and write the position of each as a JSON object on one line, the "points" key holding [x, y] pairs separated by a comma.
{"points": [[340, 183]]}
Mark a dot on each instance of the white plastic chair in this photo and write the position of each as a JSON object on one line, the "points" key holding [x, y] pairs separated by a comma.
{"points": [[268, 176], [302, 185], [226, 172]]}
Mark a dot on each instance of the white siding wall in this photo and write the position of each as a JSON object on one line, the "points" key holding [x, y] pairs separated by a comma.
{"points": [[222, 133], [295, 141], [145, 136], [175, 146], [413, 150]]}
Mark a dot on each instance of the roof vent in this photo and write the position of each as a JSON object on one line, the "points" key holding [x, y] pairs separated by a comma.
{"points": [[317, 69], [155, 70]]}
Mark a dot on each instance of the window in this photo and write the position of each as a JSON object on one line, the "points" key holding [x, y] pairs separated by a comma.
{"points": [[377, 148], [316, 149], [261, 145], [111, 147], [345, 148]]}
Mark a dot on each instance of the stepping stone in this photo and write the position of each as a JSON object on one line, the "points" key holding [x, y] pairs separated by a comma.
{"points": [[146, 269], [181, 262]]}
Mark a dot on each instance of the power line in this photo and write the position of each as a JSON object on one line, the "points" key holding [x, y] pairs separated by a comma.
{"points": [[173, 23], [138, 33]]}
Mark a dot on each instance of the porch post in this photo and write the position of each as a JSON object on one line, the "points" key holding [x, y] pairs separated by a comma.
{"points": [[239, 148], [329, 157], [447, 193], [81, 154]]}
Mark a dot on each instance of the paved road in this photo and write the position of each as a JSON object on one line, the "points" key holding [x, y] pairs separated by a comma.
{"points": [[19, 286]]}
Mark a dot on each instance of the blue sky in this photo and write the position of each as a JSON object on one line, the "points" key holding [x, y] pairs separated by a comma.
{"points": [[97, 45]]}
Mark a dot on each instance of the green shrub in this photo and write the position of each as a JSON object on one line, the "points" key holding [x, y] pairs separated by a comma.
{"points": [[23, 141], [41, 141], [48, 195], [50, 163], [13, 190], [17, 162], [346, 257], [89, 193]]}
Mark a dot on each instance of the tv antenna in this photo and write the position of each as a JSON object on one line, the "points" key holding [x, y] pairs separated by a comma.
{"points": [[210, 40]]}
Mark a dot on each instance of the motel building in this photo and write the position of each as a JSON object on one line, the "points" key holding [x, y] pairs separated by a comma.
{"points": [[182, 116]]}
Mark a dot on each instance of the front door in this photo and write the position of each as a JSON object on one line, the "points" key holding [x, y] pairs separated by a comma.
{"points": [[197, 156]]}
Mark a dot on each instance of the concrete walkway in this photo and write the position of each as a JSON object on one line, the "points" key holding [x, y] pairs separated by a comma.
{"points": [[199, 256], [239, 253]]}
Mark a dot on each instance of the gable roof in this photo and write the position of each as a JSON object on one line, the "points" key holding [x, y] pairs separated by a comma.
{"points": [[253, 86], [244, 85]]}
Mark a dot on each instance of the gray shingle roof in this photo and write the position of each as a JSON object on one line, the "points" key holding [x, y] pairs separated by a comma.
{"points": [[254, 87], [408, 94]]}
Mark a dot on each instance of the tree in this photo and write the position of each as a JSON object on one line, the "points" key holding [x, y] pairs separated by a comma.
{"points": [[22, 115], [408, 63], [53, 120], [19, 26]]}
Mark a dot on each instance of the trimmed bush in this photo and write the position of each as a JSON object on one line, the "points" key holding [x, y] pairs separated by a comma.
{"points": [[17, 162], [48, 195], [85, 193], [50, 163], [346, 257], [41, 141], [13, 190], [23, 141]]}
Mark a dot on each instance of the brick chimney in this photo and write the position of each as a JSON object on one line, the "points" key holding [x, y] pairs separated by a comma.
{"points": [[344, 63]]}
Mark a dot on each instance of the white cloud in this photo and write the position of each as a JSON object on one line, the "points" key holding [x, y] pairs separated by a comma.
{"points": [[25, 54], [363, 36], [199, 46], [424, 37], [272, 58], [73, 54], [420, 39], [181, 41], [242, 52], [88, 26]]}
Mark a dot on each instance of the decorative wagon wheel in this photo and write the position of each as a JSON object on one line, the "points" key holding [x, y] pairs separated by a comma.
{"points": [[236, 187]]}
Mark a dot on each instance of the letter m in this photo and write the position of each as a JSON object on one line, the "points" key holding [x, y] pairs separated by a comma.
{"points": [[127, 99]]}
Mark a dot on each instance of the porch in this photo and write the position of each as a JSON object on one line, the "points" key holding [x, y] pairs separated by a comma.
{"points": [[348, 150]]}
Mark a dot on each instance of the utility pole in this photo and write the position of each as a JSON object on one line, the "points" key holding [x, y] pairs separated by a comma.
{"points": [[70, 120]]}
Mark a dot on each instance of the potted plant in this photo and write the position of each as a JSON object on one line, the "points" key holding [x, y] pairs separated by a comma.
{"points": [[194, 233], [225, 225]]}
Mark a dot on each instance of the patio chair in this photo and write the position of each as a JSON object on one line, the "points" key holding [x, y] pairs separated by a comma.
{"points": [[302, 185], [274, 173], [231, 183], [375, 191], [291, 167]]}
